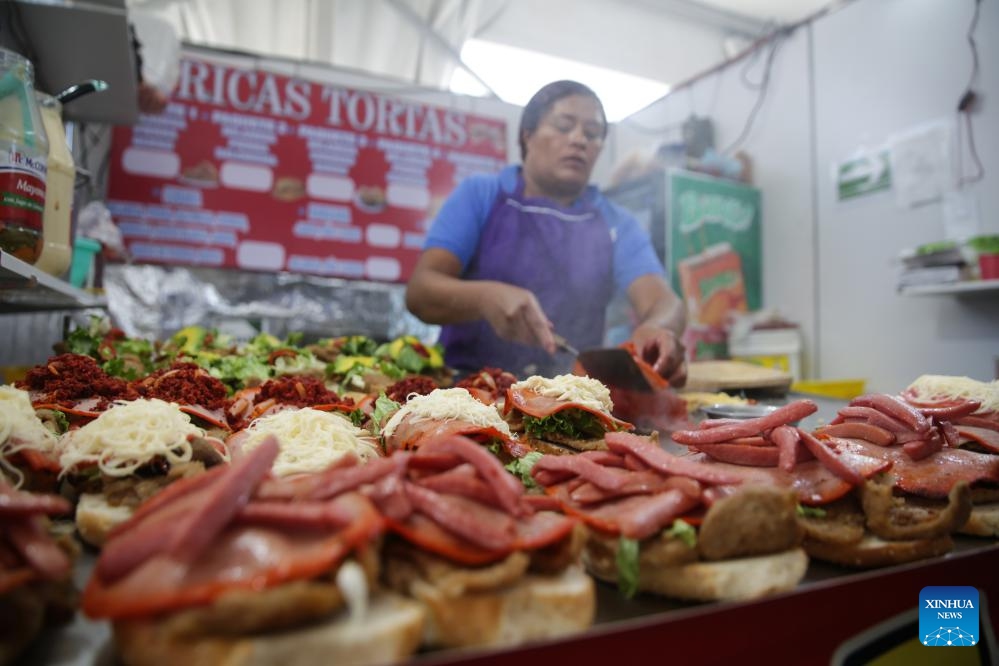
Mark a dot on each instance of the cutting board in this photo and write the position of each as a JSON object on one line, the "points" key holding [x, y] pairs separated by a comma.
{"points": [[734, 375]]}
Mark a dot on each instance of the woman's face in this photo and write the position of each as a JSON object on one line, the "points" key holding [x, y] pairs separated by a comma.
{"points": [[562, 150]]}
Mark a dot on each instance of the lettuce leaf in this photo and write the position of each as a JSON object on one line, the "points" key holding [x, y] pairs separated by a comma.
{"points": [[627, 566], [683, 531], [571, 423], [521, 467], [384, 408], [810, 511]]}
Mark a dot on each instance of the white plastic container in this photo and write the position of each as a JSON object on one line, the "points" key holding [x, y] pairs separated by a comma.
{"points": [[778, 348]]}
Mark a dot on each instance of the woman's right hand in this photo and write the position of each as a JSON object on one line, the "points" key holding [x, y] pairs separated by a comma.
{"points": [[515, 315]]}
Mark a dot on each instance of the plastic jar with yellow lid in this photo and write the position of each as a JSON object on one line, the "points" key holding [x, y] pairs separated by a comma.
{"points": [[24, 152]]}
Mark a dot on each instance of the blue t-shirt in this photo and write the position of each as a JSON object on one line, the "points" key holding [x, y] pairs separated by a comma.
{"points": [[463, 216]]}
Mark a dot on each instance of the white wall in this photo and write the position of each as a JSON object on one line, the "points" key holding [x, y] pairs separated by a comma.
{"points": [[855, 77]]}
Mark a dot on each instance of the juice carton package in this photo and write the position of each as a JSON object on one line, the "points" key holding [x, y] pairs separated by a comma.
{"points": [[713, 285]]}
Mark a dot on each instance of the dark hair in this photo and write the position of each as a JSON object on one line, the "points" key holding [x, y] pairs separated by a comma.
{"points": [[542, 103]]}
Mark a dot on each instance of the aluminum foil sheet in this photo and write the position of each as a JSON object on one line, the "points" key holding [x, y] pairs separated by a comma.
{"points": [[154, 302]]}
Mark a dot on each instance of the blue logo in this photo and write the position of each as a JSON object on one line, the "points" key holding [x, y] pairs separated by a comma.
{"points": [[948, 616]]}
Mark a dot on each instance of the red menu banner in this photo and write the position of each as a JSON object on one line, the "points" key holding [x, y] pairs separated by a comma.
{"points": [[253, 170]]}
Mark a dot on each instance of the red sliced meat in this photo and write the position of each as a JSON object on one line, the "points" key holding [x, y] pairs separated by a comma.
{"points": [[30, 538], [241, 557], [788, 413], [186, 526], [549, 469], [411, 433], [541, 529], [663, 461], [896, 408], [18, 503], [539, 406], [788, 446], [507, 488], [427, 534], [981, 436], [935, 475], [483, 526], [742, 454], [828, 454], [872, 416], [867, 431], [979, 421], [641, 516]]}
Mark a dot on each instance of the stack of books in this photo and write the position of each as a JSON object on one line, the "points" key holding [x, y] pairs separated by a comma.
{"points": [[933, 264]]}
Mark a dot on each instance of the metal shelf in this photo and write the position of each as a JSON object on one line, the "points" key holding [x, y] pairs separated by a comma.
{"points": [[955, 288], [24, 288]]}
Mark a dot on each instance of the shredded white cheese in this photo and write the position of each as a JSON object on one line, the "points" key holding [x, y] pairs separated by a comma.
{"points": [[571, 388], [447, 405], [19, 426], [938, 388], [129, 435], [310, 440]]}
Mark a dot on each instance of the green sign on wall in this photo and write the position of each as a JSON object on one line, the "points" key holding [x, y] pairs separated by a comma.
{"points": [[706, 211]]}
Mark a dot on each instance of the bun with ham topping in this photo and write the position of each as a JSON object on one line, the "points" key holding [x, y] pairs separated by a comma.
{"points": [[664, 524], [876, 486], [491, 565], [562, 414], [35, 569], [236, 566]]}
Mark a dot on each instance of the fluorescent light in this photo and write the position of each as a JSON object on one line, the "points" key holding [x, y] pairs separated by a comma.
{"points": [[516, 74]]}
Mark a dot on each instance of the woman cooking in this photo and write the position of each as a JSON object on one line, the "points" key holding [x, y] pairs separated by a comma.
{"points": [[514, 258]]}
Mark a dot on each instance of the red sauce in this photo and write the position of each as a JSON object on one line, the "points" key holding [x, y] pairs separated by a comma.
{"points": [[69, 378], [299, 391], [494, 380], [401, 390], [185, 384]]}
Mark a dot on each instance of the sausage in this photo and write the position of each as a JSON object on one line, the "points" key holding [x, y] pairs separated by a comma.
{"points": [[896, 408], [829, 459], [787, 439], [865, 431], [790, 412]]}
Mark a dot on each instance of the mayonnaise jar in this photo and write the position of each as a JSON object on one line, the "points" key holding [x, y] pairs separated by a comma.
{"points": [[23, 156]]}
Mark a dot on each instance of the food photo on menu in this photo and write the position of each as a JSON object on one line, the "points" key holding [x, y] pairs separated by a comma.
{"points": [[461, 343]]}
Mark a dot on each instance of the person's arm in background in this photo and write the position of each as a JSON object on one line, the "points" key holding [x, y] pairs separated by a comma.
{"points": [[662, 318], [436, 292], [661, 314]]}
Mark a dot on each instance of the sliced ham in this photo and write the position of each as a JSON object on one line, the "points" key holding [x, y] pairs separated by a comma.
{"points": [[742, 454], [550, 469], [642, 516], [30, 538], [935, 475], [541, 529], [978, 421], [18, 503], [186, 526], [539, 406], [241, 557], [989, 439], [411, 433], [507, 488], [651, 454], [483, 526]]}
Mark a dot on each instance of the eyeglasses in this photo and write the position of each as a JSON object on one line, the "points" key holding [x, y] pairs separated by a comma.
{"points": [[565, 124]]}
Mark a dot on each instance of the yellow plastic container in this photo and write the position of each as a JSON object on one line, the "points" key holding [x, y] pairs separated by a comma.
{"points": [[831, 388]]}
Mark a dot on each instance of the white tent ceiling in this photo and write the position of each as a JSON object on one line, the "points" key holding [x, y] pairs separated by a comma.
{"points": [[419, 41]]}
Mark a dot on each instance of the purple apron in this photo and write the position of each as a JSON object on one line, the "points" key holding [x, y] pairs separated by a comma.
{"points": [[564, 256]]}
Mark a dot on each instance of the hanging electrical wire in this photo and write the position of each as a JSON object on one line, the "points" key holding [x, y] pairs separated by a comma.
{"points": [[966, 105], [762, 87]]}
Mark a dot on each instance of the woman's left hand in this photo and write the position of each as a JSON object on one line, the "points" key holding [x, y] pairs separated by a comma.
{"points": [[662, 349]]}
